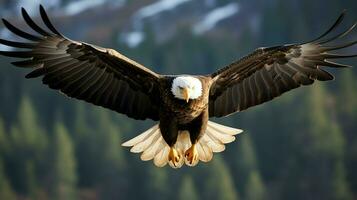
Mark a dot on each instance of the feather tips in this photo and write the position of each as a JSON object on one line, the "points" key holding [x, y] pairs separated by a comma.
{"points": [[152, 146]]}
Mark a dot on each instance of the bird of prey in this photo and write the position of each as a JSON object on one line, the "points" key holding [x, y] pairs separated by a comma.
{"points": [[182, 104]]}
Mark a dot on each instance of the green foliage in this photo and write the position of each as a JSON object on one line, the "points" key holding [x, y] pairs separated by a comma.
{"points": [[246, 159], [321, 153], [340, 185], [4, 142], [187, 189], [32, 137], [64, 165], [247, 175], [219, 183], [31, 179], [6, 192], [28, 144], [159, 178], [323, 133], [348, 94], [255, 189], [84, 146]]}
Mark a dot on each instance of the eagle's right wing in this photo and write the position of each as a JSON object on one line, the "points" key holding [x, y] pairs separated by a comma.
{"points": [[97, 75], [269, 72]]}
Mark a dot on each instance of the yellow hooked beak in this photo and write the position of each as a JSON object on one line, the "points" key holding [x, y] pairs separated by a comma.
{"points": [[186, 94]]}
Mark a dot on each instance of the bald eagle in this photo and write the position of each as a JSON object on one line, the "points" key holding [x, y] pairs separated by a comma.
{"points": [[182, 104]]}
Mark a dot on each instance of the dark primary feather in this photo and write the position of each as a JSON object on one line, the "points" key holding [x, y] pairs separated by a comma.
{"points": [[97, 75], [269, 72]]}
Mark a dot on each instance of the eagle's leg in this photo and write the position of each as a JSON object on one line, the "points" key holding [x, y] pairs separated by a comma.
{"points": [[191, 154], [169, 131], [196, 128], [174, 156]]}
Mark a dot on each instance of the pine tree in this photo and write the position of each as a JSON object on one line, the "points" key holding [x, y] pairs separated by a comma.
{"points": [[339, 184], [347, 106], [33, 135], [4, 143], [187, 189], [245, 160], [31, 179], [80, 123], [219, 183], [112, 162], [109, 140], [246, 172], [29, 144], [255, 189], [347, 97], [157, 187], [64, 165], [319, 169], [6, 191], [84, 146]]}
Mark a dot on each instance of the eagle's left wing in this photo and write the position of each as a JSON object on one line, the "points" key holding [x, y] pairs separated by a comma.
{"points": [[87, 72], [269, 72]]}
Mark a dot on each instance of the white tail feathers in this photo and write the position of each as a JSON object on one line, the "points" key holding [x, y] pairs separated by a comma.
{"points": [[153, 146]]}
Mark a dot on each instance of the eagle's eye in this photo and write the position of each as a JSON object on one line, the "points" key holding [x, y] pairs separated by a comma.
{"points": [[181, 88]]}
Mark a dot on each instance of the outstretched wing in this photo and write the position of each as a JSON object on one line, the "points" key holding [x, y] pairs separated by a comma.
{"points": [[97, 75], [269, 72]]}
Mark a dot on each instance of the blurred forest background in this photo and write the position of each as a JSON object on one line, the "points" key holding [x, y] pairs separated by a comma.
{"points": [[302, 145]]}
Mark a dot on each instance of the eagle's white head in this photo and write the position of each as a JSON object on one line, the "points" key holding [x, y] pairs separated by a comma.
{"points": [[186, 88]]}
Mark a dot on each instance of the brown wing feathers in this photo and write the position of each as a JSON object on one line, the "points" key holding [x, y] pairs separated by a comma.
{"points": [[269, 72], [83, 71]]}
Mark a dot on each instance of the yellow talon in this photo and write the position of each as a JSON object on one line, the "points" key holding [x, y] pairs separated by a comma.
{"points": [[174, 157], [191, 154]]}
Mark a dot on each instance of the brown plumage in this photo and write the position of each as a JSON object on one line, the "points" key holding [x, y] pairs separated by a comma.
{"points": [[182, 104]]}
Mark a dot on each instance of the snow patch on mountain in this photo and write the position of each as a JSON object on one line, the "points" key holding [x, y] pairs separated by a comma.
{"points": [[77, 7], [137, 35], [32, 8], [211, 19], [158, 7], [133, 39]]}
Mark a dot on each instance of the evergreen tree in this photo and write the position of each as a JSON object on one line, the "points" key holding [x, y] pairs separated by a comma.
{"points": [[219, 183], [108, 140], [112, 162], [255, 189], [98, 149], [246, 172], [340, 185], [64, 165], [187, 189], [158, 187], [318, 171], [34, 137], [31, 179], [4, 143], [28, 150], [80, 123], [84, 146], [245, 160], [347, 98], [347, 106], [6, 191]]}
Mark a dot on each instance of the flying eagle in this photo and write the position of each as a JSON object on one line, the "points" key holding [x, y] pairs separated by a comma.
{"points": [[182, 104]]}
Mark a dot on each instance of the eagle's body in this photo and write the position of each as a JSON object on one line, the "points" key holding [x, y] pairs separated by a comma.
{"points": [[179, 115], [181, 104]]}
